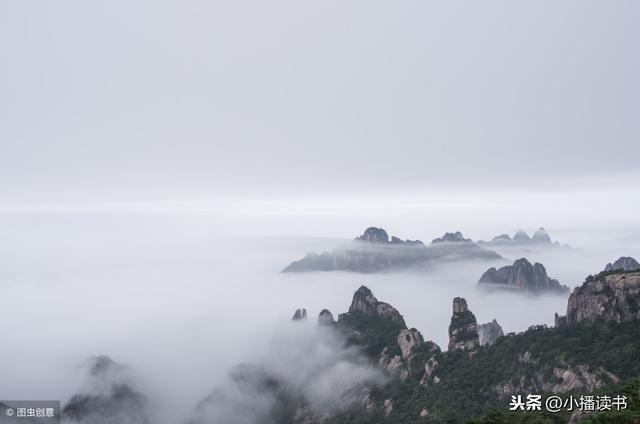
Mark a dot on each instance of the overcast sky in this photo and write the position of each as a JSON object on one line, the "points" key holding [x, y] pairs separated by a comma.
{"points": [[159, 99]]}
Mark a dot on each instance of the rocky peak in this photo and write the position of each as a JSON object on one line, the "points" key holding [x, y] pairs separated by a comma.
{"points": [[300, 314], [460, 305], [463, 330], [521, 236], [625, 263], [365, 302], [489, 332], [523, 276], [374, 235], [451, 237], [607, 297], [541, 236], [325, 317]]}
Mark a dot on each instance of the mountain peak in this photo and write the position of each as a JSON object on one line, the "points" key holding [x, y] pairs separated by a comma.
{"points": [[299, 314], [624, 263], [451, 237], [541, 236], [374, 235], [364, 302], [463, 330]]}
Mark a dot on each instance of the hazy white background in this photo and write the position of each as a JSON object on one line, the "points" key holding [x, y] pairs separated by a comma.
{"points": [[161, 161]]}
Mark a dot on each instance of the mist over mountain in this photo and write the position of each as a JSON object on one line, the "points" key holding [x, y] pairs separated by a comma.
{"points": [[415, 376], [162, 163], [373, 251]]}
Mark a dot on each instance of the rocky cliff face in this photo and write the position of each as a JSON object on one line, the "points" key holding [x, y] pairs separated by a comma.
{"points": [[463, 330], [625, 263], [522, 276], [607, 297], [489, 332]]}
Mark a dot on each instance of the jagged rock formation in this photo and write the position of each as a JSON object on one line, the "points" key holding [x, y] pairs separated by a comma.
{"points": [[625, 263], [608, 297], [364, 302], [379, 236], [422, 383], [326, 317], [456, 237], [299, 315], [489, 332], [111, 398], [374, 252], [374, 235], [522, 276], [463, 330]]}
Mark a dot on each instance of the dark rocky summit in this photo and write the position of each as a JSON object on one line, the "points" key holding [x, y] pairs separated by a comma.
{"points": [[608, 296], [625, 263], [373, 251], [364, 302], [326, 317], [489, 332], [375, 235], [111, 398], [522, 276], [463, 330], [299, 314]]}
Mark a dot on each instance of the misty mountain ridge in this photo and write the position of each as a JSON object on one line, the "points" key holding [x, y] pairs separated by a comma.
{"points": [[374, 251], [421, 381], [369, 366], [540, 239]]}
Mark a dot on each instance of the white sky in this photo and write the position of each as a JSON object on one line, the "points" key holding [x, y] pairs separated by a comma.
{"points": [[160, 100]]}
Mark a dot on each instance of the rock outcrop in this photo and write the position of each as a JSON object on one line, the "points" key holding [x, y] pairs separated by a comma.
{"points": [[325, 317], [110, 398], [606, 297], [374, 235], [463, 330], [625, 263], [373, 251], [522, 276], [489, 332], [299, 314], [379, 236], [364, 302]]}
